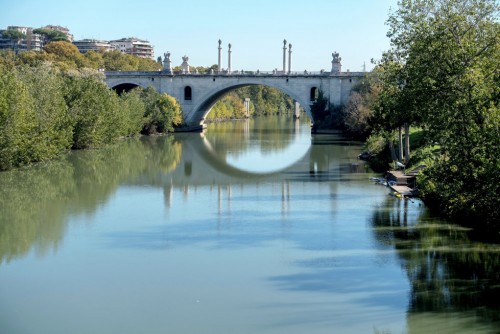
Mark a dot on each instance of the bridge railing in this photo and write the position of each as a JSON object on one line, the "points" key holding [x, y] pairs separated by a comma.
{"points": [[275, 73]]}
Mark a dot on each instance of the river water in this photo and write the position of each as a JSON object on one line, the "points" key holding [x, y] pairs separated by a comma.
{"points": [[251, 227]]}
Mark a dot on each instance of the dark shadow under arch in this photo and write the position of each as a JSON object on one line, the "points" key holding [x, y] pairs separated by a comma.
{"points": [[313, 96], [188, 93], [124, 88]]}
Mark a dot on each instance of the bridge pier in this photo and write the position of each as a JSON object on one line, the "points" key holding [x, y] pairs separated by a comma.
{"points": [[246, 104], [296, 109]]}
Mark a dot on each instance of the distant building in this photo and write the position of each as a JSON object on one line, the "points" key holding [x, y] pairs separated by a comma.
{"points": [[7, 43], [134, 46], [86, 45], [31, 41], [34, 41], [64, 30], [23, 30]]}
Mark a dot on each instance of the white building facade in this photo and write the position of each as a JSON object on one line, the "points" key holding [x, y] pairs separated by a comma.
{"points": [[134, 46], [86, 45]]}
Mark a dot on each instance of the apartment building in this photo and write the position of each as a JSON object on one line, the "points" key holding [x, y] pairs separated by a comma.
{"points": [[134, 46], [31, 41], [64, 30], [86, 45]]}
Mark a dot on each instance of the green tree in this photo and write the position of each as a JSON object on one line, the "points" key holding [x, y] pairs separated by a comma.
{"points": [[148, 64], [116, 61], [448, 52], [51, 35], [65, 55], [163, 112], [132, 111], [12, 34], [228, 107], [94, 110], [358, 112], [15, 36], [53, 132], [94, 60], [17, 121], [31, 58], [7, 59], [325, 115]]}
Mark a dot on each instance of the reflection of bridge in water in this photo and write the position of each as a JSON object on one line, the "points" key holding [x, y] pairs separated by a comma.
{"points": [[329, 158]]}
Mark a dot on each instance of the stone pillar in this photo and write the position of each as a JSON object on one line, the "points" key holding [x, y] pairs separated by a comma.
{"points": [[289, 58], [296, 109], [246, 103], [229, 58], [219, 58], [284, 56]]}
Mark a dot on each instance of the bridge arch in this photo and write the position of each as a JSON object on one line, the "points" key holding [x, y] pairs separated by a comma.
{"points": [[208, 100]]}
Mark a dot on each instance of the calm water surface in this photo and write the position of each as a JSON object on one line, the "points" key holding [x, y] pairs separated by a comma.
{"points": [[250, 227]]}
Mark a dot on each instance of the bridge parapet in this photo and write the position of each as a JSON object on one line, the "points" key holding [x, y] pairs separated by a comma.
{"points": [[241, 73]]}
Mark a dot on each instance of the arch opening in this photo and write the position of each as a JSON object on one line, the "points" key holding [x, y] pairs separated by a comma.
{"points": [[313, 95], [124, 88], [188, 93], [203, 109]]}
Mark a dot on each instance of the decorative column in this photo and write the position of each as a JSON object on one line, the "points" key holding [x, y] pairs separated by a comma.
{"points": [[220, 57], [229, 58], [289, 58], [284, 56]]}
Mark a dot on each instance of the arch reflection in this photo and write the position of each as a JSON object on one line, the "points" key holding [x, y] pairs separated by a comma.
{"points": [[260, 147]]}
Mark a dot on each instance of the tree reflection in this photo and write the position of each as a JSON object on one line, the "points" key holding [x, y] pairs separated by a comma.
{"points": [[448, 269], [273, 134], [35, 202]]}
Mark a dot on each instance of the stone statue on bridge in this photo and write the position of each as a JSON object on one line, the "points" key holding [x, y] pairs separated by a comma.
{"points": [[167, 63], [185, 65], [336, 65]]}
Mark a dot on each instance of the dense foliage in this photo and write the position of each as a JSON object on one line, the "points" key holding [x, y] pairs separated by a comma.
{"points": [[442, 74], [163, 112], [66, 56], [51, 35], [13, 34], [45, 111]]}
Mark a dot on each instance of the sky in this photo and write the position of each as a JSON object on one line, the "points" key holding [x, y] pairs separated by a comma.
{"points": [[256, 29]]}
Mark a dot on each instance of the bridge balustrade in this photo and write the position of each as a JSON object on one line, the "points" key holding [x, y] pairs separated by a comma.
{"points": [[305, 73]]}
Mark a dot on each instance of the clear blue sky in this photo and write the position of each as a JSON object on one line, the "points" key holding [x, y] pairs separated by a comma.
{"points": [[255, 28]]}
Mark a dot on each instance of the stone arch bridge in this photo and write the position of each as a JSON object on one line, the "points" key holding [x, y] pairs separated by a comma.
{"points": [[197, 93]]}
